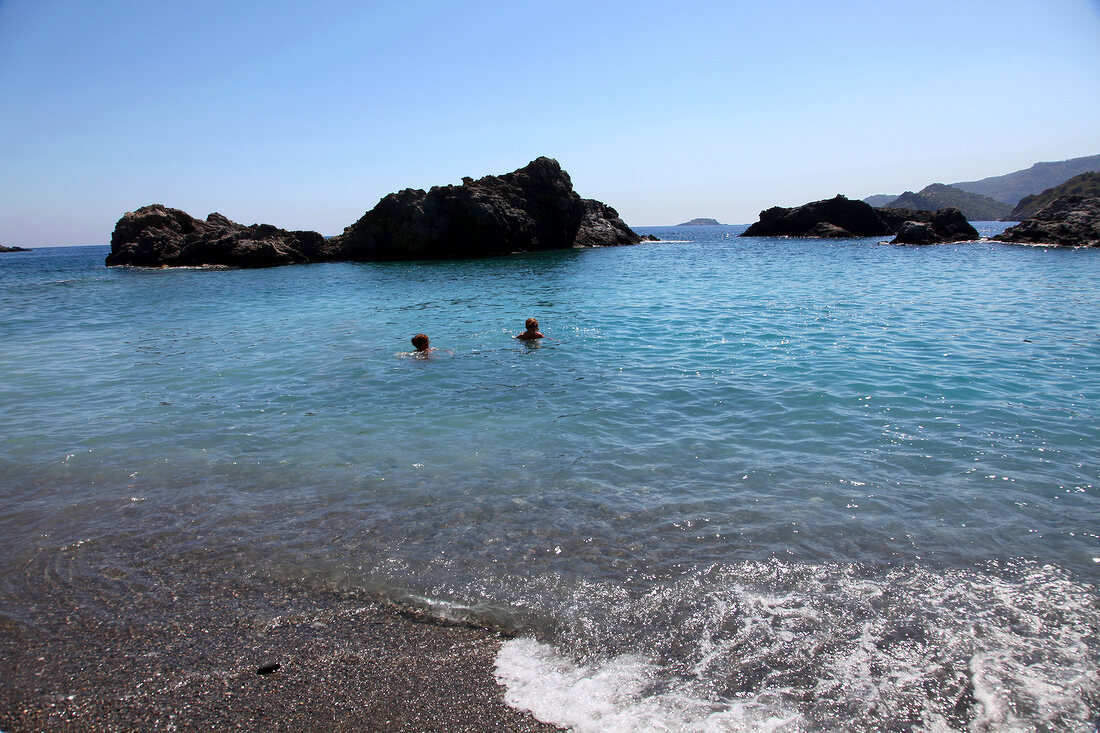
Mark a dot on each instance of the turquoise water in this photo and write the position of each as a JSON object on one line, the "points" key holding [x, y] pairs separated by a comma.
{"points": [[745, 484]]}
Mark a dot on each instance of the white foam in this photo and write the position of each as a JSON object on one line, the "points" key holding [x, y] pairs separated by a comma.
{"points": [[613, 696], [787, 647]]}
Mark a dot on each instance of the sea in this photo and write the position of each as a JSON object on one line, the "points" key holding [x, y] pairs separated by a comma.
{"points": [[743, 484]]}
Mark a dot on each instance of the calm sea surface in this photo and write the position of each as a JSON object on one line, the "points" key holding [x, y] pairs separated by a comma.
{"points": [[746, 484]]}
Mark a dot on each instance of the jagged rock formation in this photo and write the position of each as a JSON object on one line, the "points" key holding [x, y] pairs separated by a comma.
{"points": [[701, 222], [946, 225], [833, 218], [974, 207], [1086, 184], [532, 208], [157, 235], [4, 248], [1072, 221]]}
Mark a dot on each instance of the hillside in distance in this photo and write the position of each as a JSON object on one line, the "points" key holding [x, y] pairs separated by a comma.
{"points": [[974, 207], [1086, 184], [1012, 187]]}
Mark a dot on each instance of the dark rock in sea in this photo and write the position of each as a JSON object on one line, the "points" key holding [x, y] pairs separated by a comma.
{"points": [[701, 222], [844, 217], [533, 208], [650, 238], [156, 235], [915, 232], [1072, 221], [946, 225], [4, 248]]}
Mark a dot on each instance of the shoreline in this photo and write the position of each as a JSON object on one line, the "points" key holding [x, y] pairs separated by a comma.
{"points": [[178, 649]]}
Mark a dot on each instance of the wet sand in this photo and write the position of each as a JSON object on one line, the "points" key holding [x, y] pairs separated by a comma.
{"points": [[176, 649]]}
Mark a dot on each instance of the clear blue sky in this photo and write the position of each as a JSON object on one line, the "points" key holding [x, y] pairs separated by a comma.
{"points": [[303, 115]]}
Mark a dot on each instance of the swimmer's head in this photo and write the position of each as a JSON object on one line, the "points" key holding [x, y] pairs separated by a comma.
{"points": [[420, 341], [531, 324]]}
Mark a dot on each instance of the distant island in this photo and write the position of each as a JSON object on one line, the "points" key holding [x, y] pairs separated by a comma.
{"points": [[701, 223], [13, 249]]}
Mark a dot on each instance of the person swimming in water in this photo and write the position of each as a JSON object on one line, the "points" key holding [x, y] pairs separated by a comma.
{"points": [[424, 348], [532, 331]]}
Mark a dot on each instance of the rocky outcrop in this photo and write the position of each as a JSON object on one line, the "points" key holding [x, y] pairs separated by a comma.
{"points": [[946, 225], [1072, 221], [833, 218], [4, 248], [533, 208], [157, 235]]}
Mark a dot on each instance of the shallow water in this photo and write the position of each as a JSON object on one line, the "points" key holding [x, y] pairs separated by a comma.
{"points": [[746, 484]]}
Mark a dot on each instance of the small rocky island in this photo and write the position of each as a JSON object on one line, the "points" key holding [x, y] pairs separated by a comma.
{"points": [[841, 218], [701, 222], [946, 225], [533, 208], [4, 248], [838, 217], [1071, 221]]}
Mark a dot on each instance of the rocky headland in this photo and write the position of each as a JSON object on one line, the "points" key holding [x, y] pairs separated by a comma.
{"points": [[1086, 184], [4, 248], [1072, 221], [533, 208]]}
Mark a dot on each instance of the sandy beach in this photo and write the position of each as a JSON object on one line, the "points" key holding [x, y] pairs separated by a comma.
{"points": [[176, 649]]}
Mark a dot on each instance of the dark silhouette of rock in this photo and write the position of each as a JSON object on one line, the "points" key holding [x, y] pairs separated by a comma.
{"points": [[156, 235], [915, 232], [533, 208], [946, 225], [650, 238], [845, 217], [4, 248], [1072, 221], [701, 222]]}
